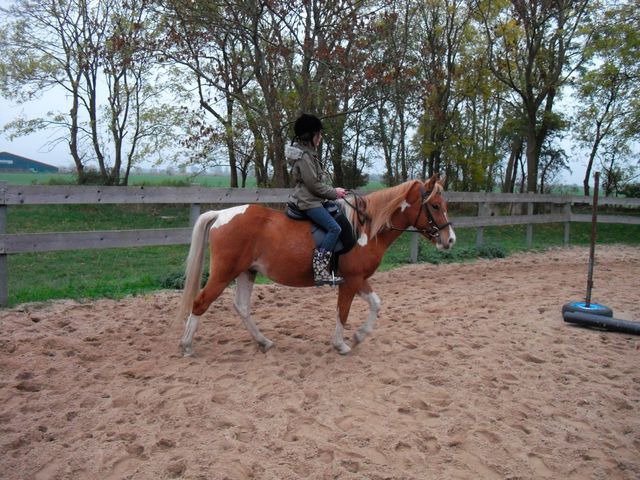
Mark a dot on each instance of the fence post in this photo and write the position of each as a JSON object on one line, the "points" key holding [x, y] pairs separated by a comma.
{"points": [[414, 247], [567, 223], [529, 226], [483, 211], [4, 290], [194, 213]]}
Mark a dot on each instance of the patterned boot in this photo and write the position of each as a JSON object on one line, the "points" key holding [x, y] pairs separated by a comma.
{"points": [[321, 273]]}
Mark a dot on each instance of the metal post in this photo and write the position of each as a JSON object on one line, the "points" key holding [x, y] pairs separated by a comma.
{"points": [[592, 249], [4, 277]]}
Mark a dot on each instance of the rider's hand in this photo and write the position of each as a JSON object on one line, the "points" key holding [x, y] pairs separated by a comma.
{"points": [[341, 192]]}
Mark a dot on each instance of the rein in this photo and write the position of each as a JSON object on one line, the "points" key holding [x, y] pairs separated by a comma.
{"points": [[363, 217], [433, 230]]}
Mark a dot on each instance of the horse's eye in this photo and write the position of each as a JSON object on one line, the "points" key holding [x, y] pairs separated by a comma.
{"points": [[435, 206]]}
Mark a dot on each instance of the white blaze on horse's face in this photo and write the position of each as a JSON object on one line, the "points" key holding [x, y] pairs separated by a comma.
{"points": [[404, 205], [452, 233], [440, 245], [225, 216], [363, 240]]}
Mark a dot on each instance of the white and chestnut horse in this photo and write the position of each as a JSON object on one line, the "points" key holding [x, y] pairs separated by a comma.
{"points": [[248, 239]]}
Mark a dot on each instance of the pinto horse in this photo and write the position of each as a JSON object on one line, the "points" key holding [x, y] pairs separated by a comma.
{"points": [[248, 239]]}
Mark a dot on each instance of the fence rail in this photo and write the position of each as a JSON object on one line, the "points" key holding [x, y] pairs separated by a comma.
{"points": [[488, 215]]}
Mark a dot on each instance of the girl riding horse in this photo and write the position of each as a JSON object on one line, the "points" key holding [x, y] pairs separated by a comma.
{"points": [[310, 192]]}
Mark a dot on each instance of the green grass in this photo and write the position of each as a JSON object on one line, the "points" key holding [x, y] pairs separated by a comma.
{"points": [[134, 180], [75, 218], [111, 273], [115, 273]]}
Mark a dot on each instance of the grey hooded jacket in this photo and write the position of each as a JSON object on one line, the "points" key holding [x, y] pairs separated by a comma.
{"points": [[309, 190]]}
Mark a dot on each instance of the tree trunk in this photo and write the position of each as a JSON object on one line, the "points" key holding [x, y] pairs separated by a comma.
{"points": [[512, 166], [73, 138]]}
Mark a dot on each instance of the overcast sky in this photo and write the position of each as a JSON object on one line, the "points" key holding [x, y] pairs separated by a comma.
{"points": [[33, 146]]}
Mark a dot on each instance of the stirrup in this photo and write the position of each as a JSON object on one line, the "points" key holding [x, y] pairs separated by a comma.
{"points": [[333, 281]]}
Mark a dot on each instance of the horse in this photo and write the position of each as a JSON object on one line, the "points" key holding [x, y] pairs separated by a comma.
{"points": [[248, 239]]}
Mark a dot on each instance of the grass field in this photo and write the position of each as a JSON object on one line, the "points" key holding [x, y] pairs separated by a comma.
{"points": [[114, 273], [134, 180], [160, 179]]}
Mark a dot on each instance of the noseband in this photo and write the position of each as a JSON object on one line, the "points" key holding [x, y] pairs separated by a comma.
{"points": [[433, 229]]}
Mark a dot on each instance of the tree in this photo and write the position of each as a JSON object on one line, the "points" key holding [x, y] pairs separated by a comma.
{"points": [[81, 46], [442, 29], [45, 48], [609, 112], [391, 83], [533, 47]]}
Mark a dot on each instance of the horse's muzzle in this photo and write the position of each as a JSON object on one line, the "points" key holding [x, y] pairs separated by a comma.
{"points": [[448, 242]]}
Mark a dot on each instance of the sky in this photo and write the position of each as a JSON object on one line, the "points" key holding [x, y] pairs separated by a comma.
{"points": [[35, 146], [38, 146]]}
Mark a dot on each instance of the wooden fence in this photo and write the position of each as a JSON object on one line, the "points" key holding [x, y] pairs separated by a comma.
{"points": [[558, 210]]}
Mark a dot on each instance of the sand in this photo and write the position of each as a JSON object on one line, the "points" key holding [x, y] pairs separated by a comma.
{"points": [[471, 373]]}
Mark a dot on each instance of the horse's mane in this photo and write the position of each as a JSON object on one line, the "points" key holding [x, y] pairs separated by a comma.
{"points": [[379, 206]]}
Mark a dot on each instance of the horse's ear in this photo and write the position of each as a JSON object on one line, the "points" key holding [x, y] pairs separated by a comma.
{"points": [[431, 182], [443, 181]]}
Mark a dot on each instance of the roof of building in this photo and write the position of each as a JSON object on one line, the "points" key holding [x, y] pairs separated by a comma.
{"points": [[13, 161]]}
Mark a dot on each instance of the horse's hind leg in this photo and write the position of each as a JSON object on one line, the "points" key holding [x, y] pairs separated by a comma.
{"points": [[207, 295], [374, 307], [242, 303]]}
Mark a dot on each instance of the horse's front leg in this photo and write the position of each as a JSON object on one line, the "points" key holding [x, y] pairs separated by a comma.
{"points": [[242, 303], [374, 307], [345, 298]]}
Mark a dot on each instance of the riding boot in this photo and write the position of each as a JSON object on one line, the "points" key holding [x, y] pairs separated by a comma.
{"points": [[321, 273]]}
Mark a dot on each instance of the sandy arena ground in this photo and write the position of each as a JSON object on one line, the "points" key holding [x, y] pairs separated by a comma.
{"points": [[471, 373]]}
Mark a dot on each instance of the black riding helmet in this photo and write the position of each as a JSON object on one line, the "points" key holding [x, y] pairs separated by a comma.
{"points": [[306, 127]]}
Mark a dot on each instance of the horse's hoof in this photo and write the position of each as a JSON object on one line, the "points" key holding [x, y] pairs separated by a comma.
{"points": [[187, 350], [358, 337], [266, 346], [342, 349]]}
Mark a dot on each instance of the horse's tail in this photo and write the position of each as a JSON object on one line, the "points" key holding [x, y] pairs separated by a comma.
{"points": [[195, 260]]}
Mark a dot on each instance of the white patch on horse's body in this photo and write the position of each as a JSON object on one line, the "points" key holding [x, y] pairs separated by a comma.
{"points": [[374, 307], [404, 205], [338, 339], [189, 332], [363, 240], [225, 216]]}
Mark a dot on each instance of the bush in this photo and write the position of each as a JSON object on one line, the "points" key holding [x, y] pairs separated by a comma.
{"points": [[175, 280], [632, 190], [164, 183], [461, 254]]}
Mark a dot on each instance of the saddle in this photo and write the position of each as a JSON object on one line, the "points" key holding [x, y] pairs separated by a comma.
{"points": [[347, 238]]}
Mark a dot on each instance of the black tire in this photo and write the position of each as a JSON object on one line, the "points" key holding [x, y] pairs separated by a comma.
{"points": [[602, 322], [593, 309]]}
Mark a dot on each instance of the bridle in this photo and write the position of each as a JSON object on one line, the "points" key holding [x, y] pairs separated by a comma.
{"points": [[433, 229]]}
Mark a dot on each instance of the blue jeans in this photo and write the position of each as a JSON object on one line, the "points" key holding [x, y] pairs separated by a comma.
{"points": [[324, 220]]}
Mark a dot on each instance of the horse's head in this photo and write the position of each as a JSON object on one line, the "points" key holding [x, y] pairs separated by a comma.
{"points": [[432, 219]]}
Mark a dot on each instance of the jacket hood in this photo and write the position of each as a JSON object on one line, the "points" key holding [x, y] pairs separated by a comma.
{"points": [[293, 153]]}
